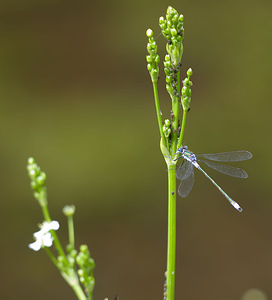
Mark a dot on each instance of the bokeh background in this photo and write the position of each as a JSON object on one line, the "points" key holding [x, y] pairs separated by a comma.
{"points": [[76, 95]]}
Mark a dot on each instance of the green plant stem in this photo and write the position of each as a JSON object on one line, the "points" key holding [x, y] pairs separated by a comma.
{"points": [[171, 239], [71, 231], [71, 279], [52, 257], [53, 233], [182, 129], [58, 246], [158, 111], [79, 292], [46, 214], [175, 123]]}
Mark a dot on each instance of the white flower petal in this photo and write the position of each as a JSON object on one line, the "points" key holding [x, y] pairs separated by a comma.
{"points": [[38, 234], [36, 246], [43, 237], [54, 225], [47, 240]]}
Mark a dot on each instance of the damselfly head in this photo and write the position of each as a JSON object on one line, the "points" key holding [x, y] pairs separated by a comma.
{"points": [[179, 150], [182, 149]]}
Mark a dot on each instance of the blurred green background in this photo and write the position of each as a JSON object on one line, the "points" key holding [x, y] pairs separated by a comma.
{"points": [[76, 95]]}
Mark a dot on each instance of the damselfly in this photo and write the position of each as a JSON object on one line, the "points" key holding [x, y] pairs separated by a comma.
{"points": [[185, 171]]}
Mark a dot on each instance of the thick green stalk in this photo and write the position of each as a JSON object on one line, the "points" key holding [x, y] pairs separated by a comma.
{"points": [[171, 239], [158, 111], [72, 280], [79, 292], [175, 124]]}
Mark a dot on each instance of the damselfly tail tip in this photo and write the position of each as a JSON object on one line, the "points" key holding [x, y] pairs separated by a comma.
{"points": [[237, 206]]}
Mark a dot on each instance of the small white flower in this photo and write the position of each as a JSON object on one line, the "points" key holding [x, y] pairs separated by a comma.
{"points": [[43, 237]]}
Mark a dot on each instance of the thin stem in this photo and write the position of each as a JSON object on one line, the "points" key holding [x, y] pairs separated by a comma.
{"points": [[58, 246], [90, 295], [158, 111], [171, 239], [182, 128], [46, 214], [52, 257], [71, 231], [53, 233]]}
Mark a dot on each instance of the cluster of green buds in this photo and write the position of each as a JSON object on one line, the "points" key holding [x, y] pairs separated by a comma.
{"points": [[172, 84], [186, 91], [71, 256], [167, 128], [173, 31], [152, 58], [37, 181], [86, 266]]}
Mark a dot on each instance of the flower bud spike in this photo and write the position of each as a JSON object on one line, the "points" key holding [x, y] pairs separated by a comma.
{"points": [[186, 91], [153, 58]]}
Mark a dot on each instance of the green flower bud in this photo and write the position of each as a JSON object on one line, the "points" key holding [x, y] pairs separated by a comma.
{"points": [[41, 179], [167, 33], [161, 20], [61, 259], [174, 32], [167, 122], [148, 58], [168, 79], [149, 47], [32, 173], [73, 253], [166, 71], [166, 131], [91, 263], [189, 72], [154, 45], [186, 81], [185, 99], [174, 41], [167, 57], [33, 185], [167, 64], [149, 33], [69, 248], [163, 26], [71, 260], [69, 210], [31, 161], [175, 19], [169, 89], [84, 248]]}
